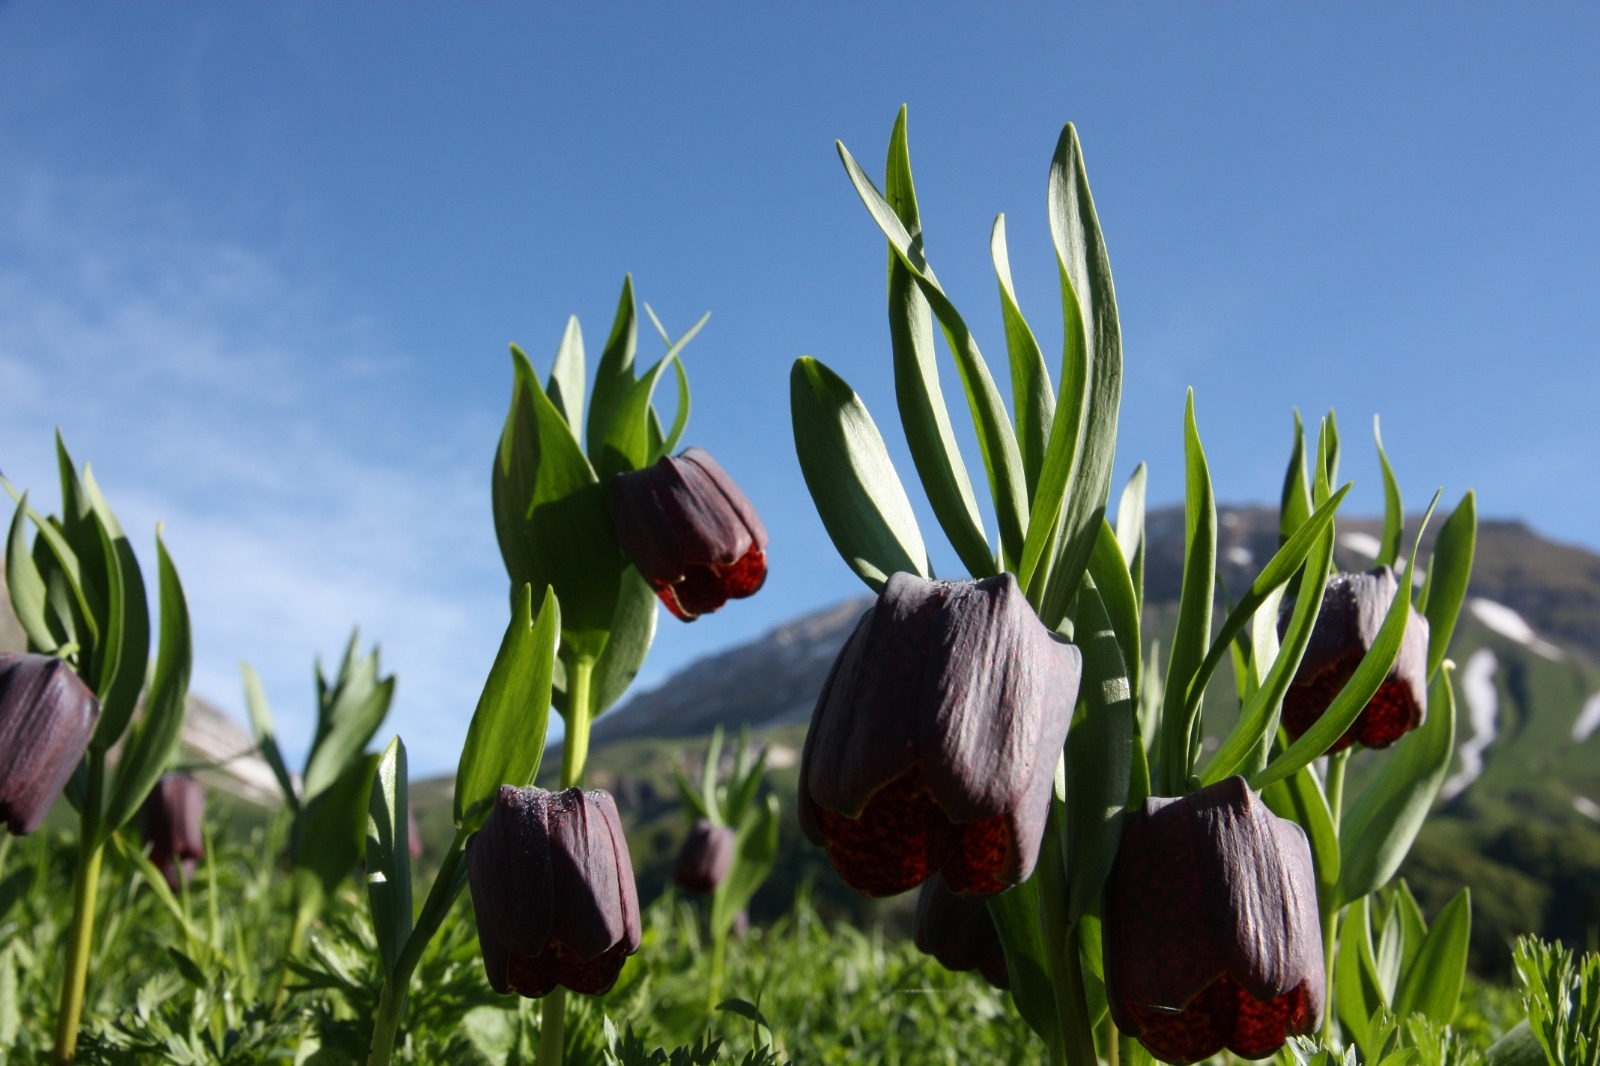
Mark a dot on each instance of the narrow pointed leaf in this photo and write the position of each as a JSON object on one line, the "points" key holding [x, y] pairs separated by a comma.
{"points": [[613, 378], [754, 851], [1377, 830], [29, 597], [996, 439], [1432, 983], [1294, 506], [1114, 586], [389, 856], [505, 739], [255, 698], [567, 375], [153, 744], [1032, 393], [852, 481], [1194, 608], [1394, 509], [1449, 571], [125, 647]]}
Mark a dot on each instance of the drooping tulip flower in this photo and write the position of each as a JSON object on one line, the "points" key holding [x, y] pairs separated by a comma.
{"points": [[1210, 933], [1353, 609], [705, 858], [690, 531], [959, 933], [47, 715], [170, 821], [553, 892], [934, 743]]}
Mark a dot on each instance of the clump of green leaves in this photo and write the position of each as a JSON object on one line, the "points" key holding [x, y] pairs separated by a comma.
{"points": [[1562, 996]]}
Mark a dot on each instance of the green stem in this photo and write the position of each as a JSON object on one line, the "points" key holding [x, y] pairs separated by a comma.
{"points": [[574, 759], [719, 954], [1076, 1044], [80, 937], [552, 1025], [396, 988], [303, 916], [1328, 904], [575, 746]]}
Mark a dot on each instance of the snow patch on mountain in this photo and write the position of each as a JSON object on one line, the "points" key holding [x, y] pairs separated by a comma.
{"points": [[1511, 625], [1588, 720], [1483, 712]]}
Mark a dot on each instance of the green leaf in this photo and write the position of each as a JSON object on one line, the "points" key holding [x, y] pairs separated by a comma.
{"points": [[255, 698], [755, 847], [350, 716], [1356, 992], [1194, 609], [1394, 510], [1032, 393], [744, 786], [613, 378], [553, 516], [691, 799], [1114, 586], [505, 739], [680, 417], [125, 649], [633, 441], [997, 441], [1378, 829], [1259, 719], [29, 597], [1099, 752], [157, 882], [1449, 571], [633, 627], [1130, 530], [1295, 503], [1432, 983], [154, 742], [1016, 919], [708, 774], [1357, 692], [1091, 373], [852, 481], [389, 856], [330, 832], [567, 375]]}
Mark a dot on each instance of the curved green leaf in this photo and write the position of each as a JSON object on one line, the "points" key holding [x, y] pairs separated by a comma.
{"points": [[613, 378], [1114, 586], [1394, 509], [1294, 505], [1130, 529], [1194, 609], [996, 439], [1033, 396], [505, 740], [255, 699], [924, 417], [553, 515], [634, 439], [1432, 983], [154, 741], [852, 481], [1016, 919], [755, 848], [29, 597], [1449, 571], [388, 856], [125, 649], [1377, 830], [349, 716], [567, 376]]}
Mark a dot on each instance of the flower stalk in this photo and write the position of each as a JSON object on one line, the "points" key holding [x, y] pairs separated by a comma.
{"points": [[80, 937]]}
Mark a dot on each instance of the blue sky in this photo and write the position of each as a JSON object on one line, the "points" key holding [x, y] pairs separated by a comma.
{"points": [[261, 264]]}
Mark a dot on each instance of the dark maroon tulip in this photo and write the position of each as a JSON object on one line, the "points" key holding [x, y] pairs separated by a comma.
{"points": [[552, 888], [959, 933], [705, 858], [1353, 609], [691, 532], [1211, 935], [933, 746], [47, 715], [170, 821]]}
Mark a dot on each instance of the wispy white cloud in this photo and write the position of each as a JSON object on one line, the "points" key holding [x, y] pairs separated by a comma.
{"points": [[228, 396]]}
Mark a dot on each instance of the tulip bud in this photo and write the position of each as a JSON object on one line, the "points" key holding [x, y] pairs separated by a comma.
{"points": [[47, 715], [553, 893], [1353, 609], [934, 743], [705, 858], [959, 933], [170, 821], [1210, 932], [691, 533]]}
